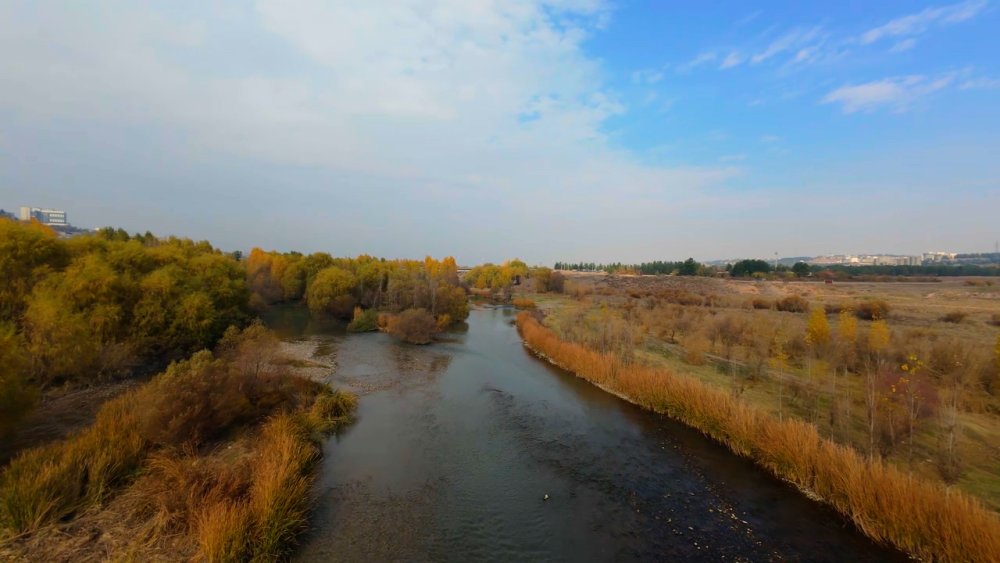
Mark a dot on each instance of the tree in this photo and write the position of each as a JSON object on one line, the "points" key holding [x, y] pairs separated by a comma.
{"points": [[801, 269], [416, 326], [330, 292], [746, 268], [17, 395], [689, 268], [878, 341]]}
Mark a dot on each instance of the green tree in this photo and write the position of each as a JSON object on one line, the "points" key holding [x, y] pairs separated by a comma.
{"points": [[801, 269]]}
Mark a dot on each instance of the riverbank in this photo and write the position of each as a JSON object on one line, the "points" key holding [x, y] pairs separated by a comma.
{"points": [[214, 459], [889, 506]]}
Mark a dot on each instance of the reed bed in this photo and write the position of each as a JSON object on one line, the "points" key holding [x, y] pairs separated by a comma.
{"points": [[924, 519]]}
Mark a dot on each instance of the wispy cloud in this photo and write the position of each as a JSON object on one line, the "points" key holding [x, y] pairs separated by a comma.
{"points": [[769, 138], [915, 24], [981, 84], [647, 76], [732, 59], [904, 45], [700, 59], [897, 93], [788, 41]]}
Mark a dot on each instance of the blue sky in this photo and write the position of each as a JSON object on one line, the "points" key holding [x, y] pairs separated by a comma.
{"points": [[546, 129]]}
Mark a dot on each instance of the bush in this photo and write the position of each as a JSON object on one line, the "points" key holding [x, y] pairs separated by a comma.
{"points": [[872, 310], [524, 303], [995, 319], [954, 317], [761, 303], [364, 320], [793, 304], [834, 308], [415, 326]]}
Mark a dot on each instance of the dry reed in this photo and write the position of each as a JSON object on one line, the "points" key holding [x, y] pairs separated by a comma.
{"points": [[922, 518]]}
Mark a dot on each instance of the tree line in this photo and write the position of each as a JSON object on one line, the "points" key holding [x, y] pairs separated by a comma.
{"points": [[360, 288], [688, 267], [85, 308]]}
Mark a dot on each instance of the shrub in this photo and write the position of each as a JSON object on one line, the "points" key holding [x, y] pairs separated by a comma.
{"points": [[761, 303], [793, 304], [954, 317], [523, 303], [365, 320], [872, 310], [995, 319], [415, 326], [888, 504], [48, 483], [834, 308]]}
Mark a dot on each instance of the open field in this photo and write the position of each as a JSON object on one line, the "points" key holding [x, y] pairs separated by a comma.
{"points": [[940, 421]]}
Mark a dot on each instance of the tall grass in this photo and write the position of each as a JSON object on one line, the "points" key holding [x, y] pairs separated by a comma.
{"points": [[51, 482], [922, 518]]}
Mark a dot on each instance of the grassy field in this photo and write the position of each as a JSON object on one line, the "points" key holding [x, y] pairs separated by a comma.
{"points": [[682, 323]]}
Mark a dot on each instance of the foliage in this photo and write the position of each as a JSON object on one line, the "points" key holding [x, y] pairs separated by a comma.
{"points": [[365, 320], [231, 507], [749, 267], [416, 326], [97, 305], [17, 395], [792, 304], [330, 292], [523, 303], [872, 310], [335, 286], [888, 504]]}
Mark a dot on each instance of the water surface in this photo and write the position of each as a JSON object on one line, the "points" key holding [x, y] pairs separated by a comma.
{"points": [[456, 444]]}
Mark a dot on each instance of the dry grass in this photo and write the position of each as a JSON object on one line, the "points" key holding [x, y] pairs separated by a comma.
{"points": [[919, 517], [48, 483], [523, 303], [153, 492]]}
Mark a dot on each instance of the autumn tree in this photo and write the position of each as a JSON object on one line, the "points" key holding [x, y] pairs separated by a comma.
{"points": [[878, 342], [330, 292]]}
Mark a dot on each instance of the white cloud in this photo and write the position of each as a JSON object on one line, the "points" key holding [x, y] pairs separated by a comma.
{"points": [[788, 41], [647, 76], [769, 138], [731, 60], [896, 92], [700, 59], [904, 45], [981, 84], [915, 24], [399, 95]]}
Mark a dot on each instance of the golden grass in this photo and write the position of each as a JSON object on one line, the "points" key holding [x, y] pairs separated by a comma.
{"points": [[917, 516], [245, 500], [48, 483], [523, 303]]}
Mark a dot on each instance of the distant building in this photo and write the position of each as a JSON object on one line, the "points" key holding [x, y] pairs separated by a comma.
{"points": [[52, 217]]}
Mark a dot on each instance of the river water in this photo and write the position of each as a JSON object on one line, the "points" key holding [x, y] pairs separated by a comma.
{"points": [[456, 445]]}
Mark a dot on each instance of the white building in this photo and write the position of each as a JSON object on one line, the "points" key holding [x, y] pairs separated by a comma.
{"points": [[53, 217]]}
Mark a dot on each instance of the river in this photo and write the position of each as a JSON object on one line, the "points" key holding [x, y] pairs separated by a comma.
{"points": [[457, 444]]}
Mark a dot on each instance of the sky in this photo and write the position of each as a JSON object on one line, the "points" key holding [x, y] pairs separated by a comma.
{"points": [[542, 129]]}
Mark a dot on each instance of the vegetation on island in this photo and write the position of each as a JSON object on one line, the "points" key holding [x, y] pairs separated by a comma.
{"points": [[361, 289]]}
